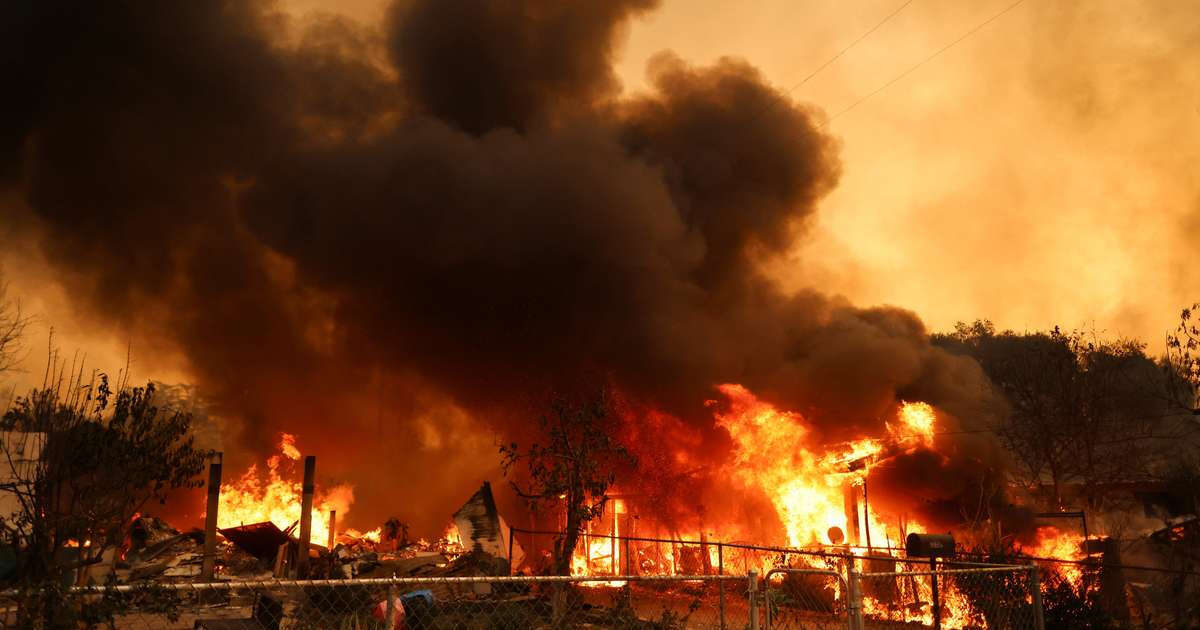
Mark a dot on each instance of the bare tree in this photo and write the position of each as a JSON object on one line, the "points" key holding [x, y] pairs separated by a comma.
{"points": [[574, 468], [13, 322]]}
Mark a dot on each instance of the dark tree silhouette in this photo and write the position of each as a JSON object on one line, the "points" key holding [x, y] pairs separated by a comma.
{"points": [[1183, 360], [1082, 409], [88, 459], [13, 322], [573, 469]]}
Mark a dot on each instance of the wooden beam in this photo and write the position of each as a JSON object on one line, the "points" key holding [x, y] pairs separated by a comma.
{"points": [[208, 565], [306, 504]]}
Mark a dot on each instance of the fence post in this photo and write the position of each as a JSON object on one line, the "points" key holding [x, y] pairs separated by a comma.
{"points": [[207, 565], [937, 600], [390, 615], [753, 594], [628, 572], [306, 503], [721, 584], [854, 605], [1035, 586]]}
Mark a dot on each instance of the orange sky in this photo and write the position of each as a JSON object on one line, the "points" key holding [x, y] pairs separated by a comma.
{"points": [[1041, 172]]}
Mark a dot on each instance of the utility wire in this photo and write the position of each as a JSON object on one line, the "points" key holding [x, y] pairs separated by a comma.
{"points": [[847, 48], [924, 61]]}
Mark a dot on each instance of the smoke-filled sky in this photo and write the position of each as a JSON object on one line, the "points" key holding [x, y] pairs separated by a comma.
{"points": [[399, 218], [1041, 172]]}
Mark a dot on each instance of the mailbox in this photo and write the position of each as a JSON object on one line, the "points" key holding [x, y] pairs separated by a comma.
{"points": [[929, 546]]}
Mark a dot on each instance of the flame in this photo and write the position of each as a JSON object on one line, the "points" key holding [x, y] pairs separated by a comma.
{"points": [[809, 483], [287, 447], [451, 535], [916, 421], [1055, 543], [451, 543], [775, 453], [912, 603], [375, 535], [256, 498], [596, 555], [770, 454]]}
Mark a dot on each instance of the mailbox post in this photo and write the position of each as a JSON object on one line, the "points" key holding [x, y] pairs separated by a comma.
{"points": [[932, 546]]}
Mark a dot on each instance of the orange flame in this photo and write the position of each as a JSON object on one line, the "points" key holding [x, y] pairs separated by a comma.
{"points": [[255, 498], [774, 453], [1055, 543]]}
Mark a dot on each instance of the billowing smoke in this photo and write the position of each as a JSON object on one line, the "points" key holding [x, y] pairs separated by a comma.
{"points": [[344, 230]]}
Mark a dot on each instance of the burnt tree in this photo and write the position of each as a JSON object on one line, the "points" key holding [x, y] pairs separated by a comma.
{"points": [[573, 468]]}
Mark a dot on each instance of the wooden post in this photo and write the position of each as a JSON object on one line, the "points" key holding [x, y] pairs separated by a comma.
{"points": [[208, 564], [866, 516], [306, 502], [850, 497], [332, 529]]}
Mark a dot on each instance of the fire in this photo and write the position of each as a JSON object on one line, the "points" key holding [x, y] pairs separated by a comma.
{"points": [[451, 536], [816, 489], [1055, 543], [912, 603], [375, 535], [771, 454], [601, 555], [916, 421], [256, 498], [775, 453], [287, 447]]}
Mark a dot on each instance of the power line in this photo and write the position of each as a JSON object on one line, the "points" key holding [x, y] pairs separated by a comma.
{"points": [[847, 48], [924, 61]]}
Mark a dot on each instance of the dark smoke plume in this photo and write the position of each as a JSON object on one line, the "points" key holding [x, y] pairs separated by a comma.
{"points": [[327, 221]]}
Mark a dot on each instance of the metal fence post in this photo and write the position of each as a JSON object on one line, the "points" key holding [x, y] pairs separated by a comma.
{"points": [[1035, 587], [721, 584], [390, 615], [628, 572], [937, 600], [753, 594], [854, 606]]}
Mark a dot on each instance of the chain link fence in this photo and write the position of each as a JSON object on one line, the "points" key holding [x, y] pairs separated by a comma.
{"points": [[806, 598], [1005, 597], [466, 603]]}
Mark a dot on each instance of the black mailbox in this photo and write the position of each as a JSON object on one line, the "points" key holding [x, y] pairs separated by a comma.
{"points": [[929, 546]]}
